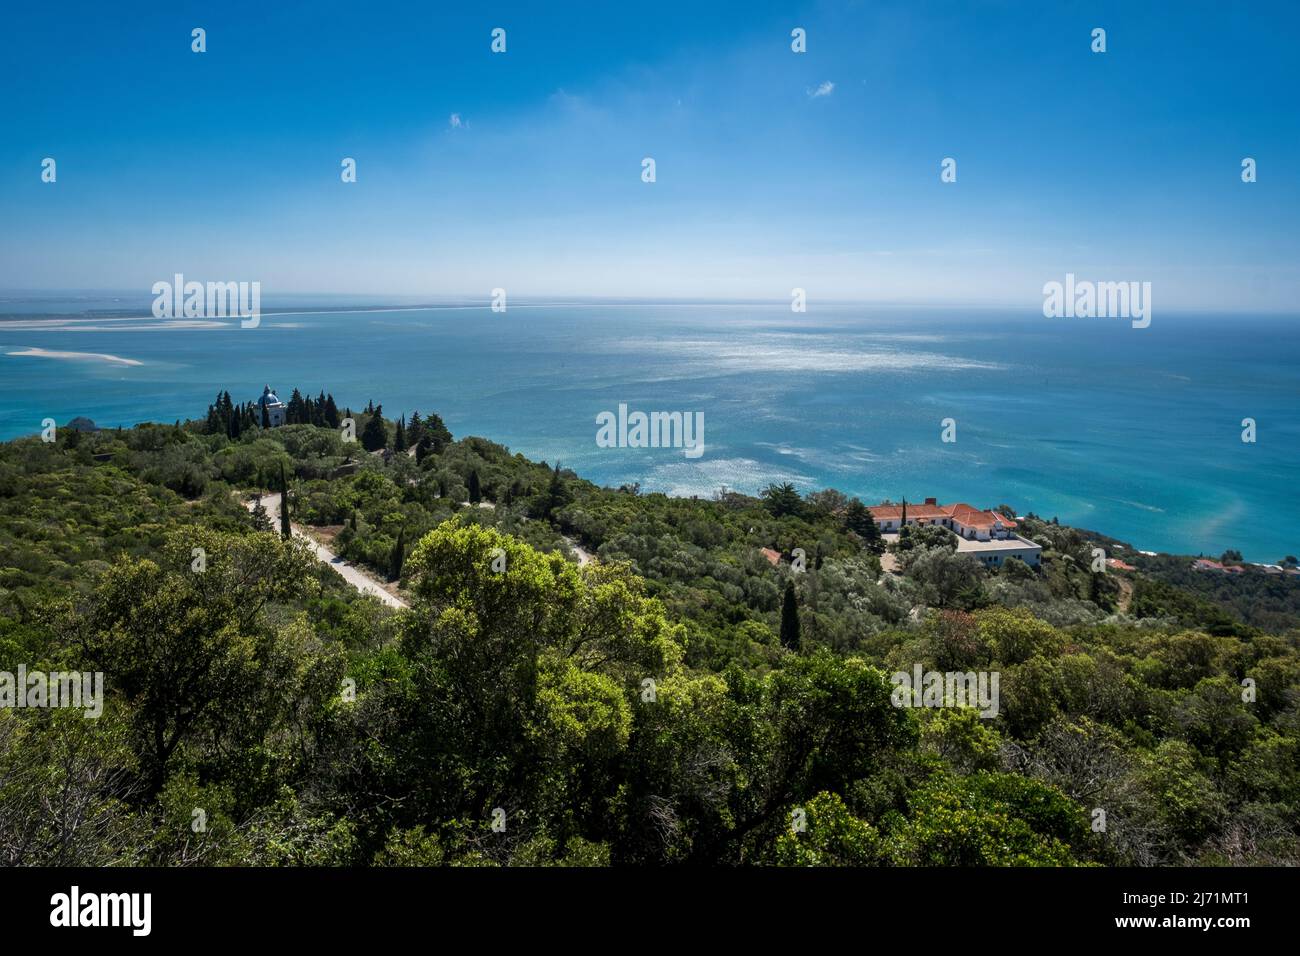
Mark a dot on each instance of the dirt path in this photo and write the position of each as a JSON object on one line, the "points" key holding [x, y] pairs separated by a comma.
{"points": [[582, 554], [359, 579], [1125, 593]]}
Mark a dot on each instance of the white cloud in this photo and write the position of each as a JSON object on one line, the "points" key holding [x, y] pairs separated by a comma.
{"points": [[455, 121], [825, 89]]}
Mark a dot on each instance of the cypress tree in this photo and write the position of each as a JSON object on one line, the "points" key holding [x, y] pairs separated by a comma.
{"points": [[286, 530], [475, 491], [398, 557], [790, 618], [399, 438]]}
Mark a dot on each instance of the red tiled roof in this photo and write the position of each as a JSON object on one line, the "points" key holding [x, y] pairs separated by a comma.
{"points": [[975, 518], [773, 557], [970, 517], [887, 512]]}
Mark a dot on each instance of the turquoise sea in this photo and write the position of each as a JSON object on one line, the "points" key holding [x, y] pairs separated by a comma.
{"points": [[1133, 432]]}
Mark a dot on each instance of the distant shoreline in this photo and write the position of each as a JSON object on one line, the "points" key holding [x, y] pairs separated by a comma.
{"points": [[75, 356]]}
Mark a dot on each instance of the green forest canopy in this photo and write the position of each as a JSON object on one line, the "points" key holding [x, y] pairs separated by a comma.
{"points": [[657, 705]]}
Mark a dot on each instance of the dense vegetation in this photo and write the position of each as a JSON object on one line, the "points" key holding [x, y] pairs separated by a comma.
{"points": [[684, 697]]}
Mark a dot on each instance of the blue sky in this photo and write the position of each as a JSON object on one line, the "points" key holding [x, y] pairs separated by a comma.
{"points": [[225, 165]]}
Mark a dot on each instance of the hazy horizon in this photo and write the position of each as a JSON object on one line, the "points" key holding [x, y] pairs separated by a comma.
{"points": [[366, 301]]}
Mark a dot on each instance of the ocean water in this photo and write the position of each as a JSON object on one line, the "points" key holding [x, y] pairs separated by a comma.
{"points": [[1133, 432]]}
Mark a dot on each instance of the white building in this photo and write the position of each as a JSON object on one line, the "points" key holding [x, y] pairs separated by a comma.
{"points": [[270, 409], [987, 535], [993, 552]]}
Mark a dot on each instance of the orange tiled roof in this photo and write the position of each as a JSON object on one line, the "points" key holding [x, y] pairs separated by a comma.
{"points": [[971, 517], [888, 512], [977, 518]]}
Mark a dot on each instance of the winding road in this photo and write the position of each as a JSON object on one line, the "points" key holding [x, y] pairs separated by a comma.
{"points": [[584, 556], [359, 579]]}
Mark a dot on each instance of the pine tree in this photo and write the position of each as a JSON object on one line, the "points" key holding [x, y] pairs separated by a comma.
{"points": [[286, 529], [261, 520], [331, 413], [475, 491], [375, 436], [415, 428], [790, 618], [437, 432], [857, 518], [557, 495], [782, 500]]}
